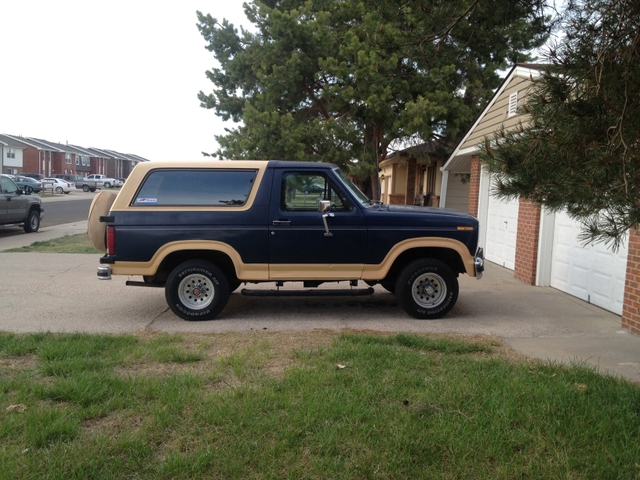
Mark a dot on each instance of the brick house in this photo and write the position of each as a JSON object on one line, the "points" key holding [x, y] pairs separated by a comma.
{"points": [[412, 176], [542, 248], [11, 155], [51, 158]]}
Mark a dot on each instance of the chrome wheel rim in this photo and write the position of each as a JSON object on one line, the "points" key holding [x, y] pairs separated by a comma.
{"points": [[33, 222], [429, 290], [59, 190], [196, 291]]}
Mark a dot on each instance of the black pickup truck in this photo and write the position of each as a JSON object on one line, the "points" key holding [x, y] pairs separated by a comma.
{"points": [[200, 229]]}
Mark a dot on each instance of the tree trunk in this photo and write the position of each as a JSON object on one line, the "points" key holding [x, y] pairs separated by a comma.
{"points": [[375, 186]]}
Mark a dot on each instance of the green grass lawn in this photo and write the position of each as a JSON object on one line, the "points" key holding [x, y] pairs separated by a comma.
{"points": [[68, 244], [308, 405]]}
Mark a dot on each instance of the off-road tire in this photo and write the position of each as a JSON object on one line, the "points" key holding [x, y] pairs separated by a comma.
{"points": [[427, 289], [197, 290]]}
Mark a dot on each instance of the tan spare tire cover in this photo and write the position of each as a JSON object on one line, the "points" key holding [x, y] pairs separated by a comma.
{"points": [[97, 230]]}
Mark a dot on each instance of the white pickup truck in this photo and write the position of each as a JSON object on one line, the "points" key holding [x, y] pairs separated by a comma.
{"points": [[106, 181]]}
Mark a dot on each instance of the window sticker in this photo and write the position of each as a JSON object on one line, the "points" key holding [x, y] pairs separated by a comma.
{"points": [[146, 200]]}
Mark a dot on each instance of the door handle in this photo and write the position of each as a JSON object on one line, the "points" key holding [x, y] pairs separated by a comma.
{"points": [[282, 222]]}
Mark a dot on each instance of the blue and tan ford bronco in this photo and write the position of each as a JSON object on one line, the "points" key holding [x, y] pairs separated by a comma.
{"points": [[201, 229]]}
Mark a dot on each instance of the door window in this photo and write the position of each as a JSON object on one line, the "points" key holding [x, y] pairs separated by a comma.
{"points": [[301, 192], [8, 186]]}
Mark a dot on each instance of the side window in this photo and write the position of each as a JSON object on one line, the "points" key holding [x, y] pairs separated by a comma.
{"points": [[196, 187], [301, 192], [7, 186]]}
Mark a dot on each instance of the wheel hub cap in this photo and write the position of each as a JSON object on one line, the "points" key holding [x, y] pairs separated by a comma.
{"points": [[429, 290], [196, 292]]}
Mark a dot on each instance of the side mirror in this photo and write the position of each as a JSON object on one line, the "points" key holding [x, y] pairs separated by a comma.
{"points": [[324, 206]]}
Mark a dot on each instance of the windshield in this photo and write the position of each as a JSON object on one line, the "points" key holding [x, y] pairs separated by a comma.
{"points": [[361, 197]]}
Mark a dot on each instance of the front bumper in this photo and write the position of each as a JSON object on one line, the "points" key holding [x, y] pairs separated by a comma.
{"points": [[478, 263]]}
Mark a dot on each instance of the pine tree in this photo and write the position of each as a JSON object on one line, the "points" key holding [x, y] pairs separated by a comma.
{"points": [[349, 81], [580, 150]]}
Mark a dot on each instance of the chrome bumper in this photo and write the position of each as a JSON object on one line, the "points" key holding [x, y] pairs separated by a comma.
{"points": [[478, 263]]}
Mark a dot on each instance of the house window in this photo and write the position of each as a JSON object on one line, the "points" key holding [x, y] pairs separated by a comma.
{"points": [[513, 104], [11, 153], [67, 158], [77, 160]]}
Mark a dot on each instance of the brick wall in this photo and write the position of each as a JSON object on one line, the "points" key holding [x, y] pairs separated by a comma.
{"points": [[474, 186], [631, 302], [527, 242]]}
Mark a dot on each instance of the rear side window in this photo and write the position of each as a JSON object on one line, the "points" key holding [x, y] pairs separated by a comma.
{"points": [[196, 187]]}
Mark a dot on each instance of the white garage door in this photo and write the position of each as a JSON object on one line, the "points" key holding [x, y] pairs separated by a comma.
{"points": [[592, 273], [502, 228]]}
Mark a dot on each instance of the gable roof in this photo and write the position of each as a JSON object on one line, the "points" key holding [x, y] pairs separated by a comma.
{"points": [[460, 158], [35, 143], [11, 142]]}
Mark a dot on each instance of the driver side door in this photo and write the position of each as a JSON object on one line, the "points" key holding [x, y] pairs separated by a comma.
{"points": [[299, 244]]}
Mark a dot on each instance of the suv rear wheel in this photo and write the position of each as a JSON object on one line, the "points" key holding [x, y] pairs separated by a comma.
{"points": [[197, 290]]}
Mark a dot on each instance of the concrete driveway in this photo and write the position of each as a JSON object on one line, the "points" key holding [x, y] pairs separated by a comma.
{"points": [[61, 293]]}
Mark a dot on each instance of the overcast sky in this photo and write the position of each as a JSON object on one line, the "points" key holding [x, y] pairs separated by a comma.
{"points": [[121, 75]]}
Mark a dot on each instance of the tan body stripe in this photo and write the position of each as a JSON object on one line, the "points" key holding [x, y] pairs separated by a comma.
{"points": [[263, 272]]}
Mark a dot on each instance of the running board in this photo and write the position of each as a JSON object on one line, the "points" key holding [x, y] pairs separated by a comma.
{"points": [[132, 283], [355, 292]]}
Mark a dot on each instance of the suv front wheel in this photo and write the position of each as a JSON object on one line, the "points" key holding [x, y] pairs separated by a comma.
{"points": [[427, 289], [197, 290], [32, 224]]}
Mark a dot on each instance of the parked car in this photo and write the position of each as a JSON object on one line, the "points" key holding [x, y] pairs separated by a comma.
{"points": [[37, 176], [201, 229], [73, 179], [59, 185], [89, 185], [28, 184], [106, 181], [18, 208], [118, 182]]}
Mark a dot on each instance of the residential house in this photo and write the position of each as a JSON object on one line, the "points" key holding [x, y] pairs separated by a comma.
{"points": [[50, 158], [542, 248], [412, 176], [38, 157], [11, 155]]}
